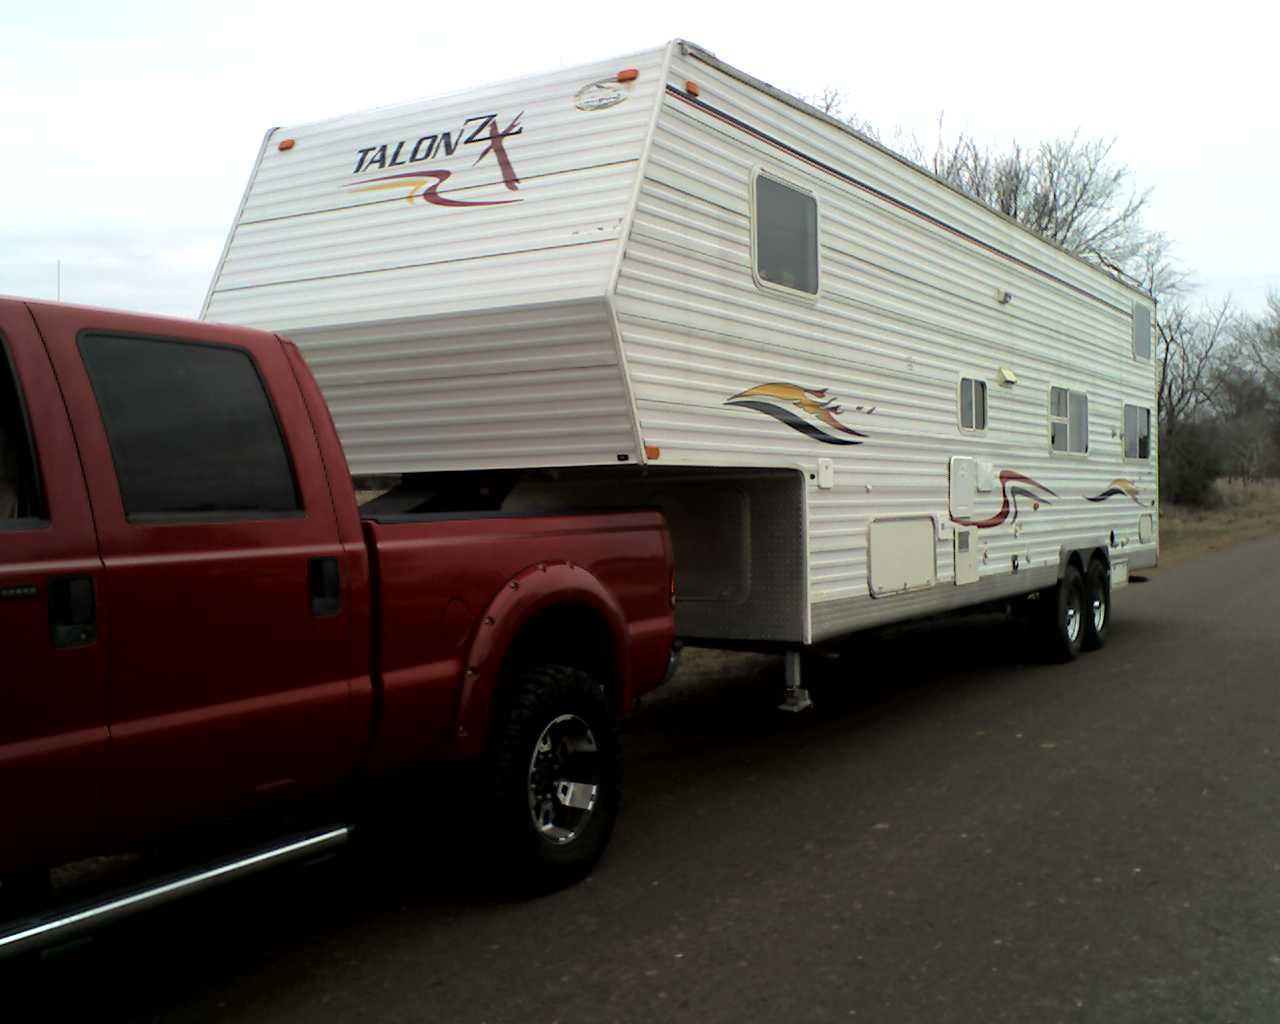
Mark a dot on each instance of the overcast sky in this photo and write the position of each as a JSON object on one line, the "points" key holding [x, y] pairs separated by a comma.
{"points": [[131, 128]]}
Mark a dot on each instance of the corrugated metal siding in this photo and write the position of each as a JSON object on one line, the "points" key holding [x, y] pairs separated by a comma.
{"points": [[490, 320], [906, 308], [528, 387]]}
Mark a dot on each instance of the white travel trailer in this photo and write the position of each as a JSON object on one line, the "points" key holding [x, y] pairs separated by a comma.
{"points": [[860, 396]]}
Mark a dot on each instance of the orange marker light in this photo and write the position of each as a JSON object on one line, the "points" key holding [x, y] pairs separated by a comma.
{"points": [[628, 74], [652, 451], [285, 144], [692, 88]]}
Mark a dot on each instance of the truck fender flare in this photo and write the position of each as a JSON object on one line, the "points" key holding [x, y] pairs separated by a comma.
{"points": [[530, 591]]}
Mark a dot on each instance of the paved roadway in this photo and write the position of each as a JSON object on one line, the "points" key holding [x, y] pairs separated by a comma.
{"points": [[951, 835]]}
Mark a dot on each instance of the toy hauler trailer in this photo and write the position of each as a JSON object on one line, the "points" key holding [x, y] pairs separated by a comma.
{"points": [[859, 395]]}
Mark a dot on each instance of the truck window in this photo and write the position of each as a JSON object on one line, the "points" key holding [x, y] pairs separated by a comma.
{"points": [[193, 434], [786, 235], [21, 500], [1068, 420]]}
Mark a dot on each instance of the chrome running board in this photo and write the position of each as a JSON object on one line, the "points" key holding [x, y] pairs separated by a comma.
{"points": [[35, 932]]}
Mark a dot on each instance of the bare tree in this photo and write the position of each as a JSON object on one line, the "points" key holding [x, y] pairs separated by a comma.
{"points": [[1189, 347], [1072, 191], [1244, 410], [831, 101], [1260, 340], [1075, 192]]}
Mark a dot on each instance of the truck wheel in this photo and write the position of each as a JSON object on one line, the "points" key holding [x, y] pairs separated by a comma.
{"points": [[555, 778], [1097, 605], [1064, 607]]}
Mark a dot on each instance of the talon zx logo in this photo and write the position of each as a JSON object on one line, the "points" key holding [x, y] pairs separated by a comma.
{"points": [[424, 156]]}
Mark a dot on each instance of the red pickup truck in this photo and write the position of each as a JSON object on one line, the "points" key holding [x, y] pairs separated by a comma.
{"points": [[197, 621]]}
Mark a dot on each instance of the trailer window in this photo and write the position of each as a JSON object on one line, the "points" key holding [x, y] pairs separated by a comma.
{"points": [[973, 404], [1141, 331], [1137, 432], [21, 502], [1068, 420], [192, 431], [786, 235]]}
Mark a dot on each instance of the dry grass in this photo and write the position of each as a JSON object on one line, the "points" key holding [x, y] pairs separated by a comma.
{"points": [[1246, 512]]}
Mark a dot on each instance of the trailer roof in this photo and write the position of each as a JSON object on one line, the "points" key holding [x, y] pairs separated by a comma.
{"points": [[707, 57]]}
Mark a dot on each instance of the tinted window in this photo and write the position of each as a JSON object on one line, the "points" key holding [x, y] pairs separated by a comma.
{"points": [[192, 431], [1078, 429], [973, 404], [20, 496], [1141, 331], [1068, 420], [786, 222], [1137, 432]]}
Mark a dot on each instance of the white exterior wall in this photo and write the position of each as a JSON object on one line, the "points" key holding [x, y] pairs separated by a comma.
{"points": [[613, 307], [906, 308], [448, 337]]}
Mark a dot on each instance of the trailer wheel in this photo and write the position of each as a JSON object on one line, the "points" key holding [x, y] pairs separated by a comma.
{"points": [[1064, 607], [554, 776], [1097, 605]]}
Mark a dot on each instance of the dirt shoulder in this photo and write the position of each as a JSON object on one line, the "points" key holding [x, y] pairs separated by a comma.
{"points": [[1246, 512]]}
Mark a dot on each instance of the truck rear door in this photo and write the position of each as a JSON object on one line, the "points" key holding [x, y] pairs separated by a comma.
{"points": [[54, 745], [230, 675]]}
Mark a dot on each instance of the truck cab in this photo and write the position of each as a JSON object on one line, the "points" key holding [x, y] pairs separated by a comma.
{"points": [[190, 601]]}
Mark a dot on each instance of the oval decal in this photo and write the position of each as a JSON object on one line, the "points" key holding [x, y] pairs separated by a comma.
{"points": [[600, 95]]}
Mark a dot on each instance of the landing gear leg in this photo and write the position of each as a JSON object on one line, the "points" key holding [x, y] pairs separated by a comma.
{"points": [[795, 697]]}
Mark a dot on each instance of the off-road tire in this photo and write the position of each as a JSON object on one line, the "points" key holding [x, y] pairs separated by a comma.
{"points": [[527, 856]]}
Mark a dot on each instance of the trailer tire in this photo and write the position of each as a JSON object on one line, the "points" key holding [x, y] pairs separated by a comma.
{"points": [[1097, 605], [553, 779], [1064, 610]]}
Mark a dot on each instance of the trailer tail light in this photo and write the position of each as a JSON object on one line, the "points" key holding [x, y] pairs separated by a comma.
{"points": [[673, 588], [628, 74]]}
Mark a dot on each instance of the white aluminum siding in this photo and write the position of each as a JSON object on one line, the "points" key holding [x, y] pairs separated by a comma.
{"points": [[447, 336], [906, 308]]}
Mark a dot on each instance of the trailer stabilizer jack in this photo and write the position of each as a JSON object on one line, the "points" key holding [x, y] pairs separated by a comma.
{"points": [[795, 697]]}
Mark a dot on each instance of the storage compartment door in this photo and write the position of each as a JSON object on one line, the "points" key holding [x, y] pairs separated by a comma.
{"points": [[966, 555], [902, 554]]}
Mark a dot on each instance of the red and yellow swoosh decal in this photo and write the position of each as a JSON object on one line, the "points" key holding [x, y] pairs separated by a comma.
{"points": [[808, 411], [1117, 487], [1013, 485]]}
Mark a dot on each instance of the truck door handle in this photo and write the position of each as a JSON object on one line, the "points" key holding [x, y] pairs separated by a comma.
{"points": [[326, 586], [73, 611]]}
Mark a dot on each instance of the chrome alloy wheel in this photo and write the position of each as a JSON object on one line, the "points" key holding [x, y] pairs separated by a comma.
{"points": [[1073, 616], [1099, 613], [564, 777]]}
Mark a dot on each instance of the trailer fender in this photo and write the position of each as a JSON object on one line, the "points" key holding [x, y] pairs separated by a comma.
{"points": [[539, 588], [1081, 557]]}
